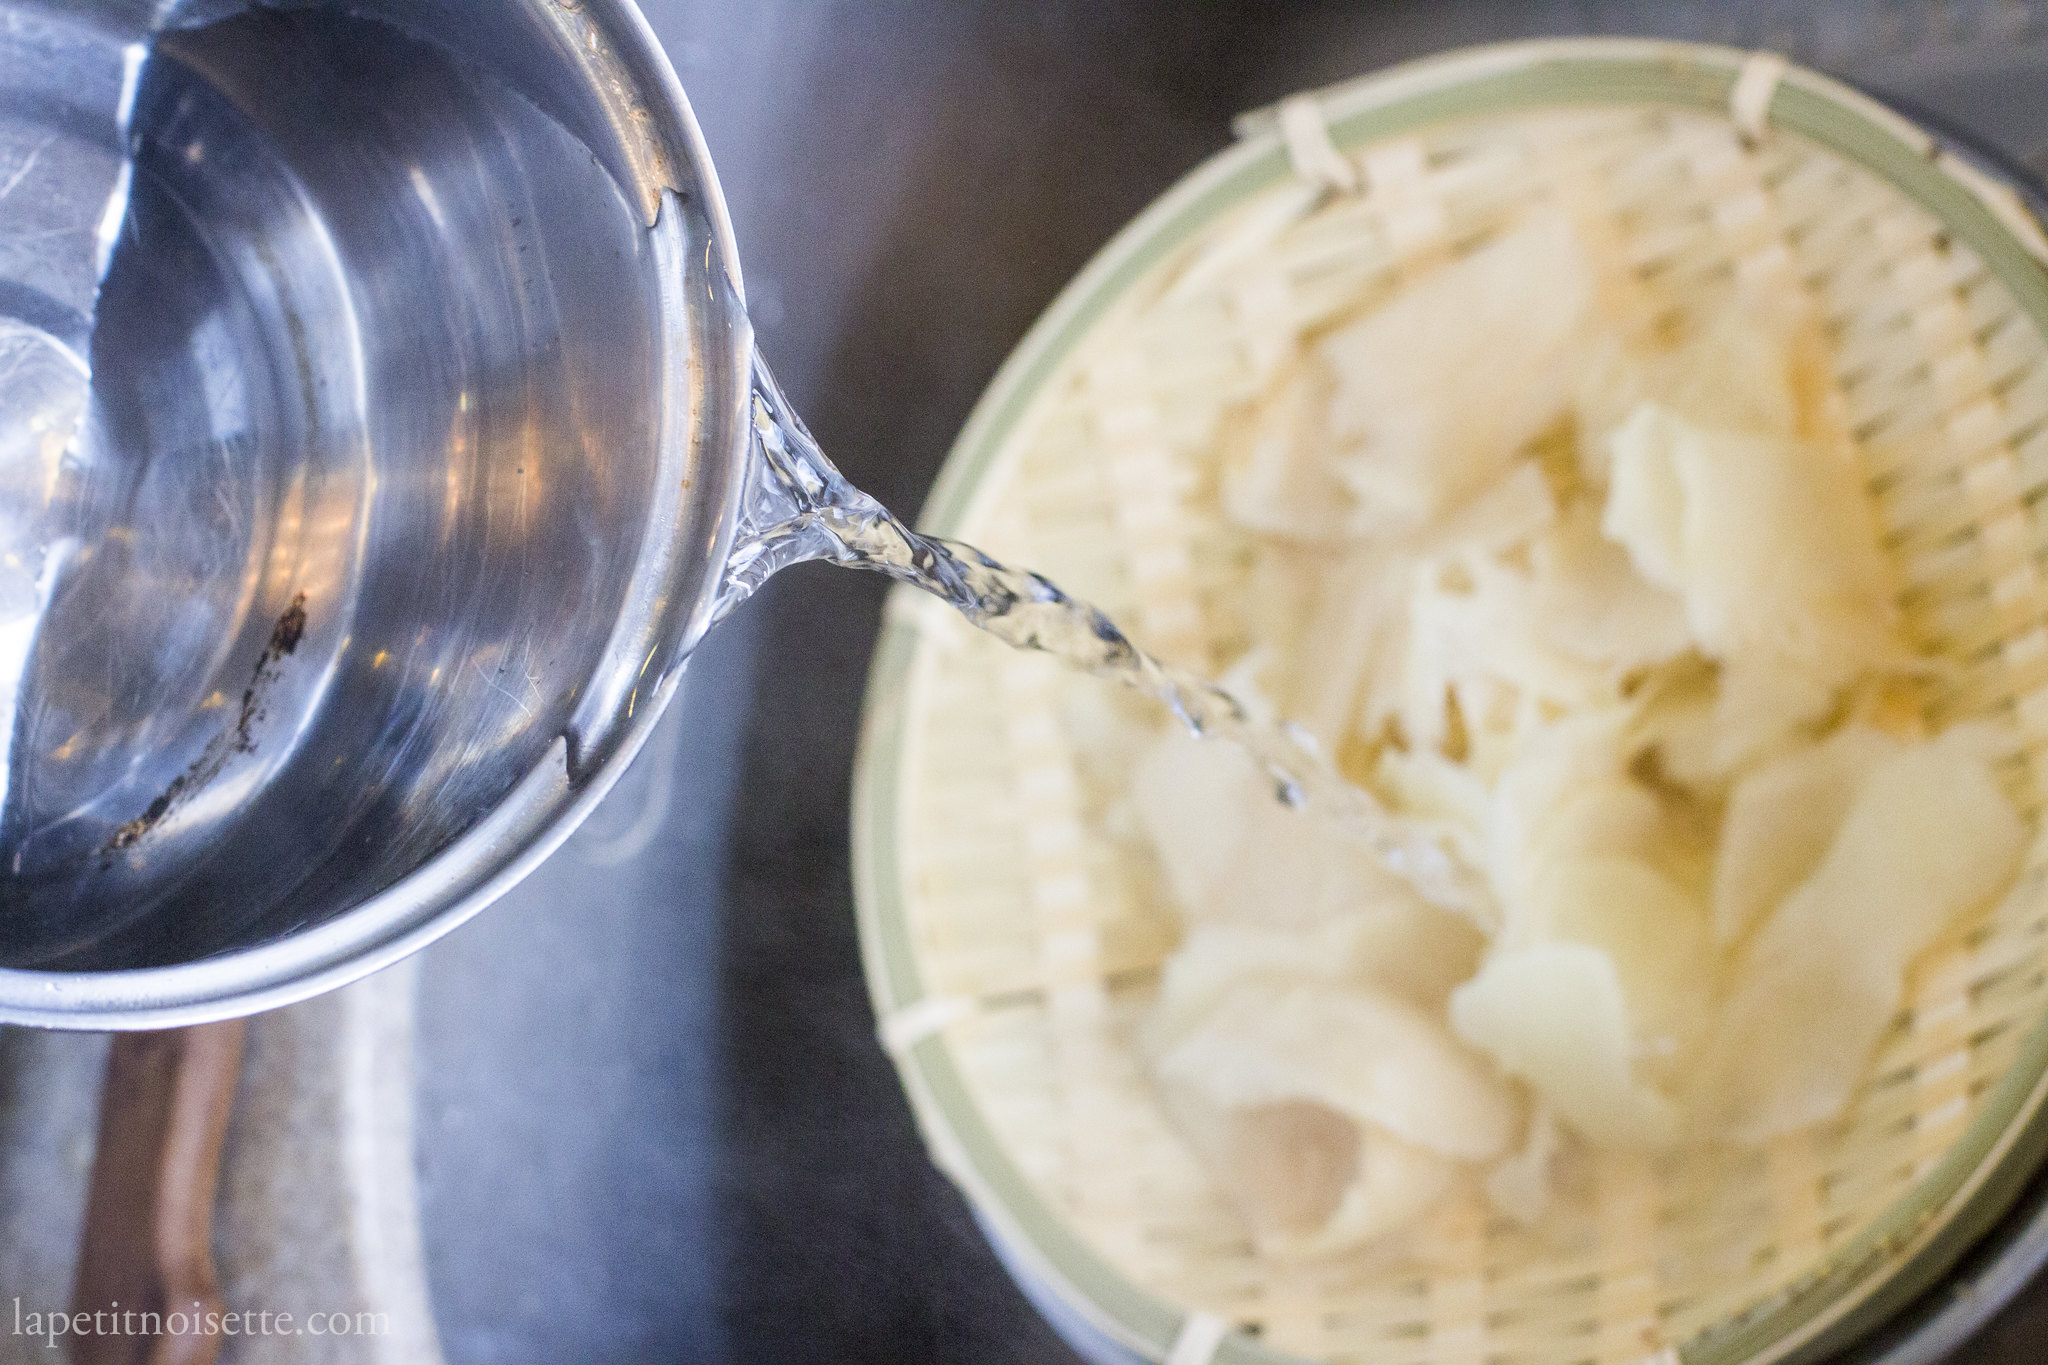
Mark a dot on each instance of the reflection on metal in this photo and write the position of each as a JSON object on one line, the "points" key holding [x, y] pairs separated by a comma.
{"points": [[390, 516], [68, 79]]}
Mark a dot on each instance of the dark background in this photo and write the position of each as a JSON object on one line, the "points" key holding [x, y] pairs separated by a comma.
{"points": [[654, 1124]]}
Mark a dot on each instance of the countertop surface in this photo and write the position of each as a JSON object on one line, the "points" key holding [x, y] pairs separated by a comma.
{"points": [[653, 1124]]}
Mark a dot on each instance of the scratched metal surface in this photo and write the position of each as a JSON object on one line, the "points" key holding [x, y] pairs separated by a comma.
{"points": [[653, 1123]]}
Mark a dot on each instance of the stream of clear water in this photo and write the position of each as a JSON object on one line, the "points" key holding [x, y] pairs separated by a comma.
{"points": [[798, 507]]}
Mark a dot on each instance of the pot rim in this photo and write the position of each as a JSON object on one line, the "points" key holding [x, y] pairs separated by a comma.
{"points": [[663, 161]]}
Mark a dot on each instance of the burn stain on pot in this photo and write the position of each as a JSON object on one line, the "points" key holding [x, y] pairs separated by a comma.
{"points": [[238, 738]]}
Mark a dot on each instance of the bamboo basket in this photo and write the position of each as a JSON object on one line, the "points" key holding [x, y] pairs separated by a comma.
{"points": [[1012, 941]]}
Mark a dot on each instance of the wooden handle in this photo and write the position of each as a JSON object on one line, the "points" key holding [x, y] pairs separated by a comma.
{"points": [[148, 1241]]}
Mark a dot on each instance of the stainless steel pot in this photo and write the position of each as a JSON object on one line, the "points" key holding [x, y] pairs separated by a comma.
{"points": [[416, 441]]}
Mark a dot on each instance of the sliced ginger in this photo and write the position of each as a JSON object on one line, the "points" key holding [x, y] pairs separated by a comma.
{"points": [[1604, 600]]}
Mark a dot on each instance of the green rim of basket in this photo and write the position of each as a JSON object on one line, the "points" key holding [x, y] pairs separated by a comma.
{"points": [[1916, 1240]]}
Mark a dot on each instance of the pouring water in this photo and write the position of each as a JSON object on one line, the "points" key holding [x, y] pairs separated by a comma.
{"points": [[799, 507], [426, 437]]}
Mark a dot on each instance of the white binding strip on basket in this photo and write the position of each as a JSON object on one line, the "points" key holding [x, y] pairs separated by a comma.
{"points": [[922, 1019], [1201, 1336], [1749, 100], [1309, 146], [1703, 210]]}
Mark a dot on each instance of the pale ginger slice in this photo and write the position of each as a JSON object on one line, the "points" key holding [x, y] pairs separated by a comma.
{"points": [[1428, 785], [1773, 547], [1354, 650], [1506, 514], [1364, 1054], [1519, 1185], [1650, 927], [1584, 859], [1246, 680], [1475, 633], [1278, 477], [1928, 837], [1601, 817], [1765, 704], [1354, 644], [1559, 630], [1308, 1180], [1676, 733], [1759, 364], [1771, 544], [1615, 377], [1232, 854], [1111, 728], [1329, 1112], [1780, 821], [1590, 604], [1283, 589], [1191, 800], [1555, 1015], [1646, 506], [1299, 874], [1438, 389], [1562, 759], [1395, 1183], [1398, 948]]}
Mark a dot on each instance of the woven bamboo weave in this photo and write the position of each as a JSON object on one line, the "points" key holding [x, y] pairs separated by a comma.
{"points": [[1028, 897]]}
